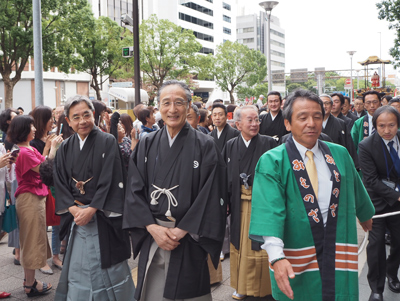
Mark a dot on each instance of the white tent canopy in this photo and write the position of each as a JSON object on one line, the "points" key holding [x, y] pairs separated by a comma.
{"points": [[128, 94]]}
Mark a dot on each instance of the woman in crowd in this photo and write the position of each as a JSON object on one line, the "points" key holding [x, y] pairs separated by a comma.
{"points": [[101, 117], [30, 203], [43, 122], [5, 175], [127, 123], [13, 237], [148, 120]]}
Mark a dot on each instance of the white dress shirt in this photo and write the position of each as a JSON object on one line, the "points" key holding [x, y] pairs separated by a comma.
{"points": [[274, 245]]}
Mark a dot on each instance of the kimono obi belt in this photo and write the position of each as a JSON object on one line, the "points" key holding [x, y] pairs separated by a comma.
{"points": [[245, 193]]}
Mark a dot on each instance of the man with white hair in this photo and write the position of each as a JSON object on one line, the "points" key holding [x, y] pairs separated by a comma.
{"points": [[260, 101], [249, 263]]}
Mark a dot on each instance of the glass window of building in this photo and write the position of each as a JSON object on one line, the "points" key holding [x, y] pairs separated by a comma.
{"points": [[227, 30], [195, 20], [227, 19], [197, 7], [226, 6]]}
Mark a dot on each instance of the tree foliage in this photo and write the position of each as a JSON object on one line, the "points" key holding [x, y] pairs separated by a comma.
{"points": [[166, 52], [61, 20], [98, 51], [390, 10], [233, 65]]}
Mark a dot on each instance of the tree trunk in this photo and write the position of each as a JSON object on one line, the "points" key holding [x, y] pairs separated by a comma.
{"points": [[95, 85], [9, 89], [231, 96]]}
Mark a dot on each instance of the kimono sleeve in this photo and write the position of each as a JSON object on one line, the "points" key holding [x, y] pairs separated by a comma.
{"points": [[268, 204], [64, 197]]}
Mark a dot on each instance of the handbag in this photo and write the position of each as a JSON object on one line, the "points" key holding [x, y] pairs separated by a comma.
{"points": [[9, 216]]}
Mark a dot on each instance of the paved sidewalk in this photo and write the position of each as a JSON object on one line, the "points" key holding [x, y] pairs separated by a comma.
{"points": [[11, 278]]}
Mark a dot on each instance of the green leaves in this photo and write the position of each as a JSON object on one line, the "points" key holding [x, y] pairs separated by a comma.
{"points": [[234, 65], [390, 10]]}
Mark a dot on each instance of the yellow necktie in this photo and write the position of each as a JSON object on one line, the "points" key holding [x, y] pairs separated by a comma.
{"points": [[312, 171]]}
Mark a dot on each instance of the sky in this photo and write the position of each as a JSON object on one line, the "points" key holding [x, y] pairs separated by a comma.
{"points": [[318, 33]]}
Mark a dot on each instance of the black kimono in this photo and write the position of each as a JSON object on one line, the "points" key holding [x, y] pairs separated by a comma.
{"points": [[349, 122], [99, 158], [195, 164], [241, 159], [274, 127], [227, 133], [337, 130]]}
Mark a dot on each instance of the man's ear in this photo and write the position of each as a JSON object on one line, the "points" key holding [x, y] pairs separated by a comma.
{"points": [[287, 125]]}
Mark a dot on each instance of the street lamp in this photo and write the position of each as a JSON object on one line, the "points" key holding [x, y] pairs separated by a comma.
{"points": [[134, 22], [351, 73], [268, 6]]}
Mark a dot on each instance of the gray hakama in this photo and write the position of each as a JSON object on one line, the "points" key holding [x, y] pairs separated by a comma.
{"points": [[156, 272], [82, 277]]}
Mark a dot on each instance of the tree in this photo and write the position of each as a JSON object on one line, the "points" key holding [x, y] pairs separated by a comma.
{"points": [[98, 51], [61, 20], [390, 10], [233, 65], [254, 91], [166, 51]]}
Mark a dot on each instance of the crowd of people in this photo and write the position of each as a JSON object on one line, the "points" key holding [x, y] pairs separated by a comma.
{"points": [[278, 186]]}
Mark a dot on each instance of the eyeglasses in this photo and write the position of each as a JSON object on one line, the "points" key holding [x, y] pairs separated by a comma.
{"points": [[251, 121], [327, 103], [178, 103], [375, 102], [84, 117]]}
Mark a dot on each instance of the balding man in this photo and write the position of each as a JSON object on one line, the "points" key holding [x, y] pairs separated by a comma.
{"points": [[249, 263]]}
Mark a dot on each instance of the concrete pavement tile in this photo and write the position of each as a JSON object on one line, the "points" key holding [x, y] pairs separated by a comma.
{"points": [[223, 292], [11, 283]]}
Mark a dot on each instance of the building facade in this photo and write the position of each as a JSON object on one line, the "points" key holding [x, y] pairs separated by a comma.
{"points": [[251, 30]]}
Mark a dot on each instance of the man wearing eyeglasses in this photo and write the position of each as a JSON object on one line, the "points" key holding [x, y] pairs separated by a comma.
{"points": [[89, 184], [363, 127], [249, 263], [359, 110], [272, 124], [175, 205]]}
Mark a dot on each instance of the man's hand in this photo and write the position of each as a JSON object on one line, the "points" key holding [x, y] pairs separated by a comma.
{"points": [[179, 233], [282, 270], [163, 236], [82, 216], [367, 225]]}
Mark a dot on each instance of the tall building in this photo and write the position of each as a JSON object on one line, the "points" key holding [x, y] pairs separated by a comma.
{"points": [[251, 29], [212, 22]]}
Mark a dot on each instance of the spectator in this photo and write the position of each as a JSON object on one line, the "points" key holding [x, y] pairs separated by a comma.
{"points": [[30, 203], [148, 120]]}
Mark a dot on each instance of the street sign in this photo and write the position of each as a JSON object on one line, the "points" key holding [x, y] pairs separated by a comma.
{"points": [[347, 83], [127, 51], [122, 84]]}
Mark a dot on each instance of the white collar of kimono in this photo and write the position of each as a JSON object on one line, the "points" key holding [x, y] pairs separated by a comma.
{"points": [[82, 142], [171, 140], [247, 143]]}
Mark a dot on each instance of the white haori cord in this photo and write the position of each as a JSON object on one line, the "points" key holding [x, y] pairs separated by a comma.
{"points": [[364, 242], [171, 198]]}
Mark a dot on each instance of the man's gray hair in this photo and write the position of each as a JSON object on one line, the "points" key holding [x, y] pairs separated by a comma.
{"points": [[74, 100], [183, 85], [238, 112], [326, 95], [196, 110]]}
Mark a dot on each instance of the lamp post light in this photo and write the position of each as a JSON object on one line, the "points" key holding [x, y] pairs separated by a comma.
{"points": [[268, 6], [351, 73]]}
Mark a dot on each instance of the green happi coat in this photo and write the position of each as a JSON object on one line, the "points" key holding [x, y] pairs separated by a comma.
{"points": [[278, 210], [357, 131]]}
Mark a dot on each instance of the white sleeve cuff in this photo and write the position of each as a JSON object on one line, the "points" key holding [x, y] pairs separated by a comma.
{"points": [[274, 247]]}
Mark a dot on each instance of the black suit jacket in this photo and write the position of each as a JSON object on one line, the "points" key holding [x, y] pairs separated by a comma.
{"points": [[227, 134], [349, 122], [362, 113], [351, 116], [373, 166]]}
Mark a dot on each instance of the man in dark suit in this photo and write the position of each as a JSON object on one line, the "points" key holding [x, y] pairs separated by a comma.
{"points": [[380, 163], [223, 131], [338, 103], [359, 110], [346, 109]]}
